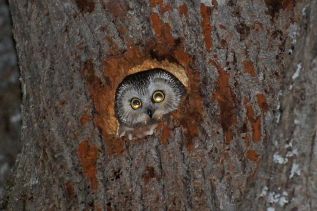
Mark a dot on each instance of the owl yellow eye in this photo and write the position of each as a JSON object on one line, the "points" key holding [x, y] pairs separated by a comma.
{"points": [[158, 96], [135, 103]]}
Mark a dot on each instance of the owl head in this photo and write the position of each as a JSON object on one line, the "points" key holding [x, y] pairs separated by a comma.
{"points": [[145, 97]]}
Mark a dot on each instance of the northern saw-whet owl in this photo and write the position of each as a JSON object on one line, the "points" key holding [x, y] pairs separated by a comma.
{"points": [[143, 98]]}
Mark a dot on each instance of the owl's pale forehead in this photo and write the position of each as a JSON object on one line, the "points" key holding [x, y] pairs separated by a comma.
{"points": [[145, 89], [144, 78], [133, 89], [148, 81]]}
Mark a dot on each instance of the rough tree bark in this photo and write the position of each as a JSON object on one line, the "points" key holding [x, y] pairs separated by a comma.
{"points": [[245, 138]]}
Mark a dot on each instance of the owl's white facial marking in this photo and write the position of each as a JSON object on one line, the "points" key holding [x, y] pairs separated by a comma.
{"points": [[145, 97]]}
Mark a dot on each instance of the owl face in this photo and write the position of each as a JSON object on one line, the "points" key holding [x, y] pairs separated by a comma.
{"points": [[145, 97]]}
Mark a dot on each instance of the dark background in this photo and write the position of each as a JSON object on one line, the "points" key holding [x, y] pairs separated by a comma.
{"points": [[10, 97]]}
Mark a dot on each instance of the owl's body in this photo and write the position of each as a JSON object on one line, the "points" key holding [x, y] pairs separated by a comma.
{"points": [[143, 98]]}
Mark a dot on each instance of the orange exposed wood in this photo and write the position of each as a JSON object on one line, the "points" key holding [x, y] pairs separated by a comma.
{"points": [[249, 67], [192, 110], [252, 155], [70, 191], [205, 13], [166, 132], [183, 58], [256, 130], [262, 102], [166, 8], [156, 3], [88, 155], [255, 122], [226, 100], [250, 111], [183, 10], [103, 98], [162, 30], [162, 7], [117, 8]]}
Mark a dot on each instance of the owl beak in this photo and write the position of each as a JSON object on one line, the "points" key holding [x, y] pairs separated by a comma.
{"points": [[150, 112]]}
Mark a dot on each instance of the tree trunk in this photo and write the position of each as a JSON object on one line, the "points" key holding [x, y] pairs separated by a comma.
{"points": [[245, 138]]}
